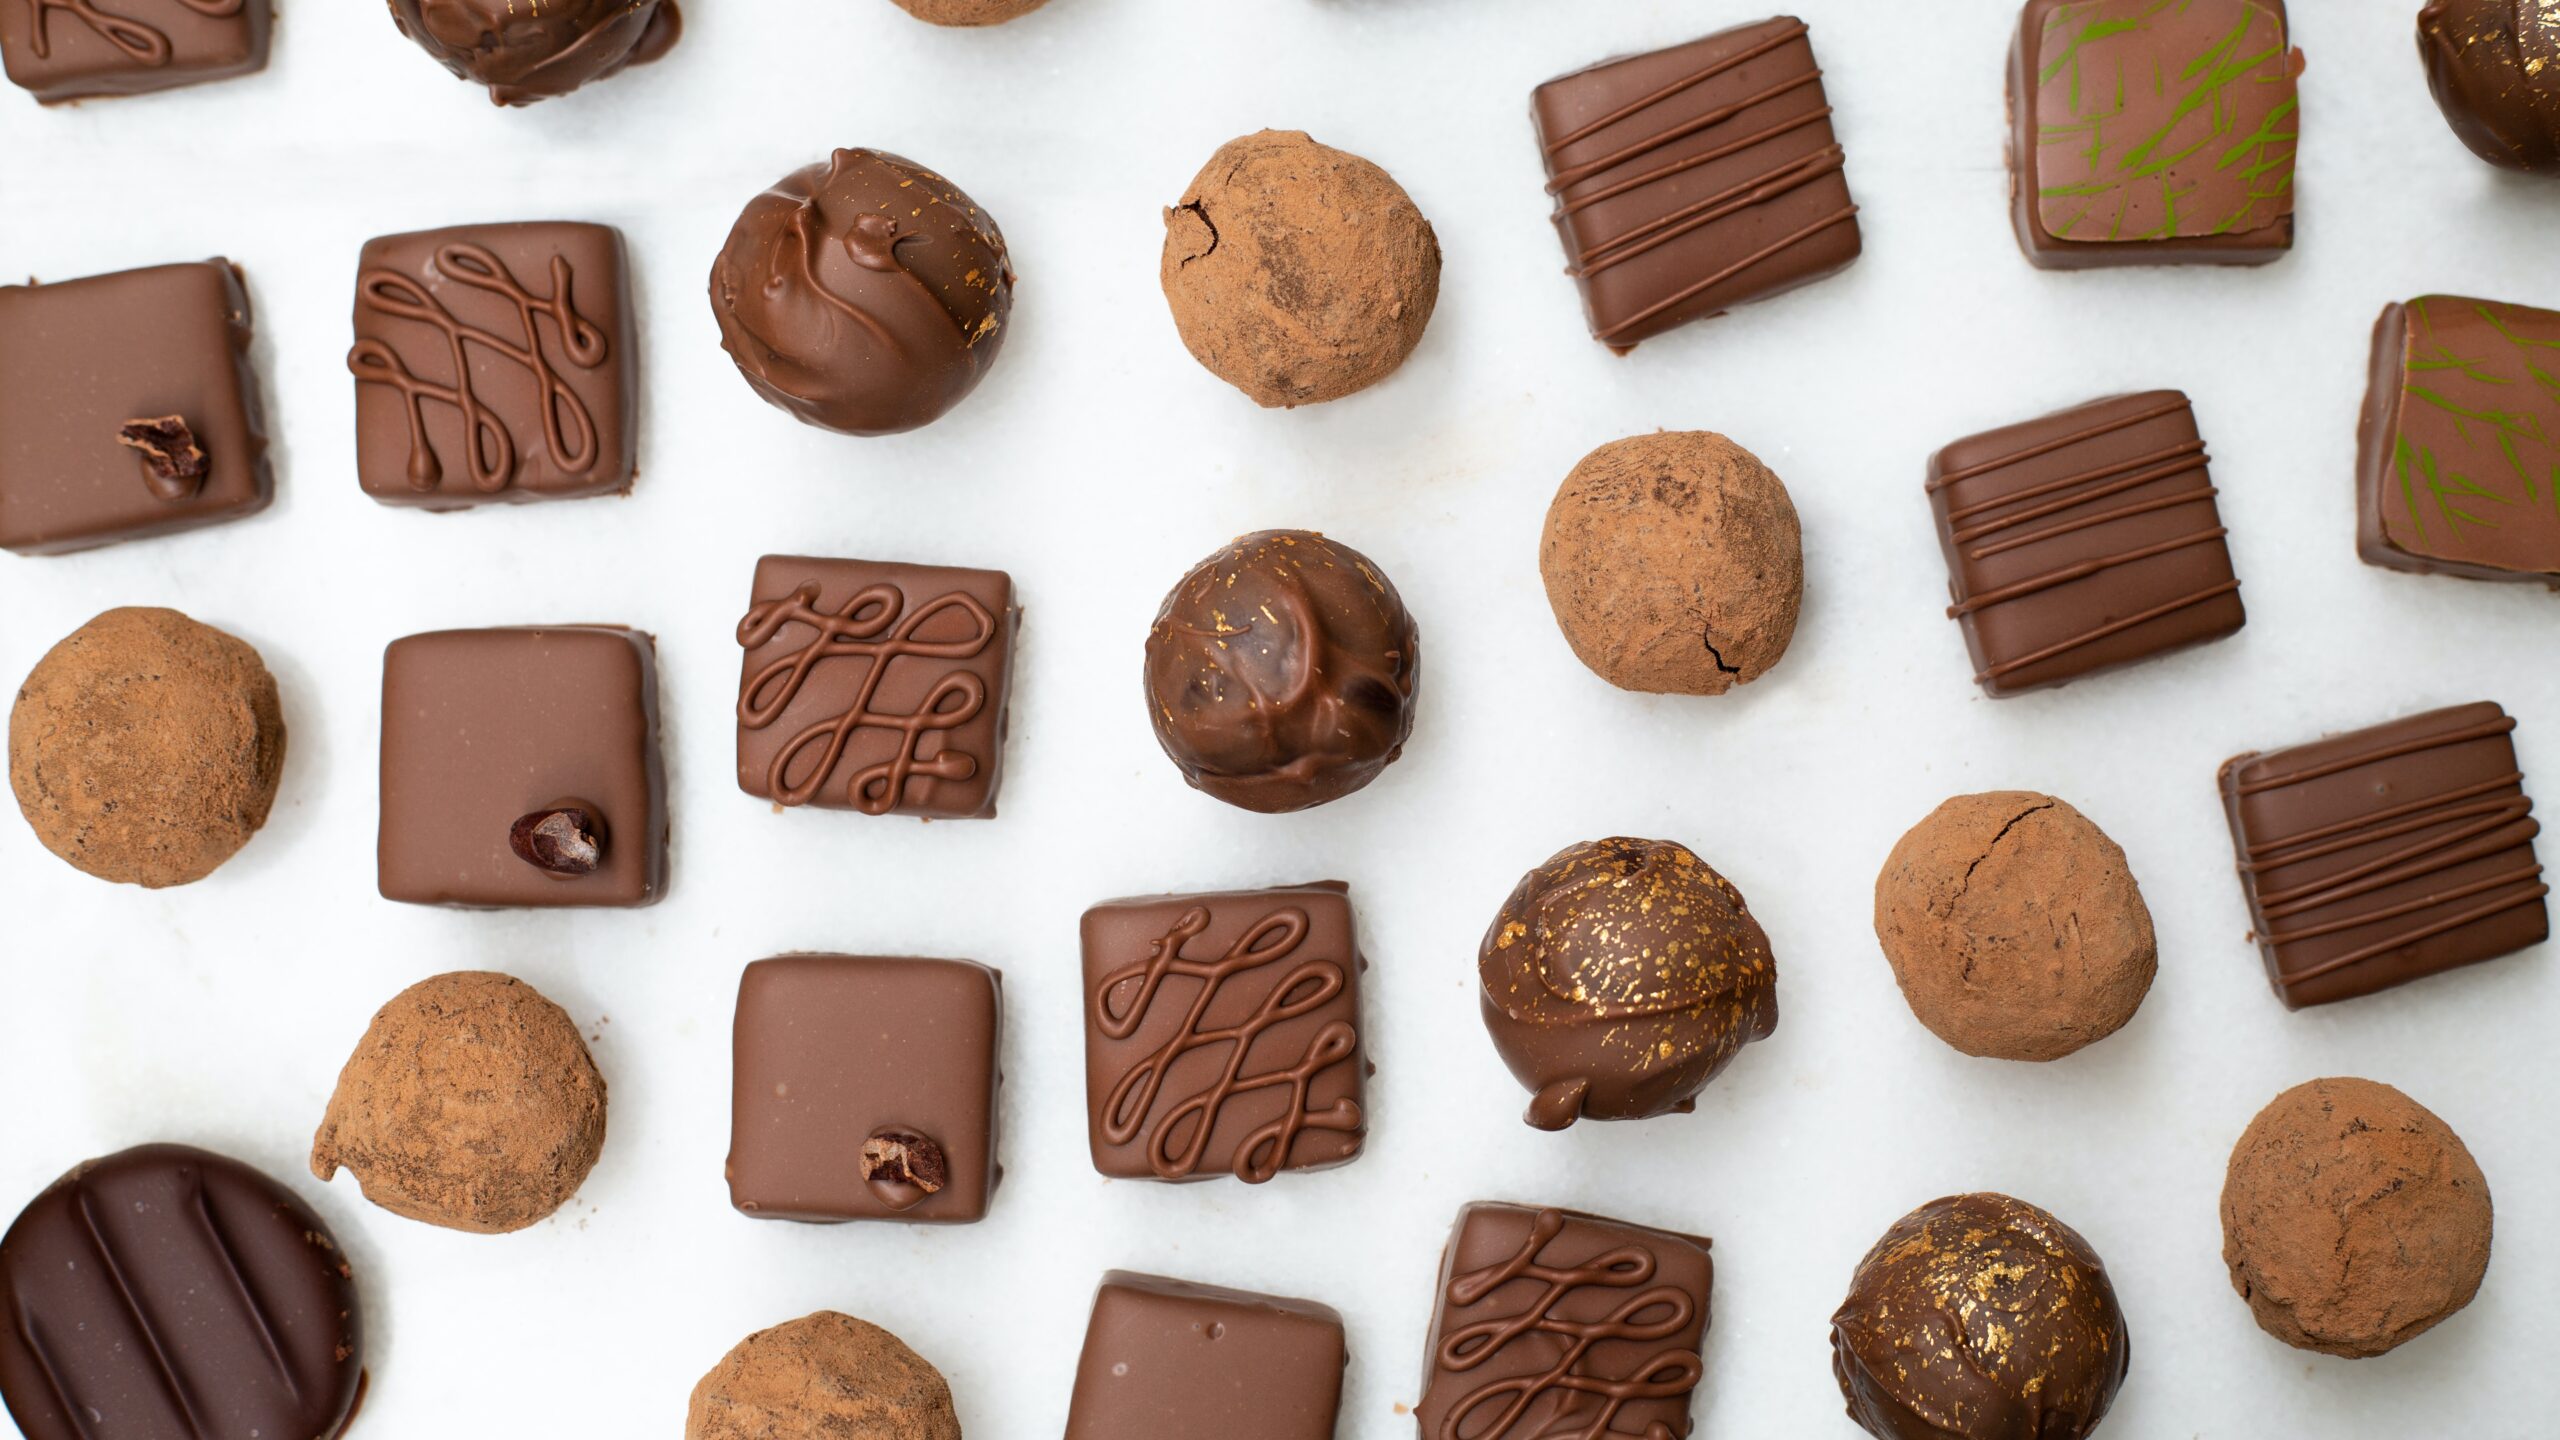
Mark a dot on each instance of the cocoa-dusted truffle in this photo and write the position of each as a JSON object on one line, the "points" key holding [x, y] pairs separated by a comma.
{"points": [[525, 53], [2495, 68], [864, 294], [146, 747], [1674, 563], [1622, 976], [2353, 1219], [970, 12], [1281, 672], [1297, 272], [470, 1103], [824, 1374], [2015, 928], [1980, 1317]]}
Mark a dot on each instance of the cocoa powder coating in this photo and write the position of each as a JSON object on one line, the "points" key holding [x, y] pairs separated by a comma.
{"points": [[970, 12], [822, 1375]]}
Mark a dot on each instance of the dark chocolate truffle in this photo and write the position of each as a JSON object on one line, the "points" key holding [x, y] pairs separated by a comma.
{"points": [[2014, 927], [2495, 68], [1298, 272], [525, 53], [970, 12], [1674, 563], [864, 294], [146, 747], [823, 1374], [471, 1103], [1281, 672], [2353, 1219], [1621, 977], [1980, 1317]]}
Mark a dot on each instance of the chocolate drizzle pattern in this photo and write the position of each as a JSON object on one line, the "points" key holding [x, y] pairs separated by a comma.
{"points": [[877, 627], [144, 44]]}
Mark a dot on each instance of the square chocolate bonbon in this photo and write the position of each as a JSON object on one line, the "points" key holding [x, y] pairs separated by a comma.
{"points": [[1170, 1359], [865, 1089], [495, 363], [520, 768], [128, 407], [2083, 541], [1694, 179], [1222, 1034], [875, 687], [64, 50], [2459, 463], [2383, 856]]}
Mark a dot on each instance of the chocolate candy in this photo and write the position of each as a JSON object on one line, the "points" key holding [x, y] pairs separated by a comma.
{"points": [[1980, 1317], [1170, 1358], [2150, 134], [875, 687], [2083, 541], [969, 12], [1554, 1323], [865, 1089], [2494, 66], [1622, 976], [2458, 463], [1222, 1034], [168, 1291], [62, 50], [130, 406], [1695, 179], [822, 1375], [525, 53], [495, 362], [520, 768], [2379, 857], [1281, 672], [864, 293]]}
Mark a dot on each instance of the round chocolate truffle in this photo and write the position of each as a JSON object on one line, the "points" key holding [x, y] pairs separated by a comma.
{"points": [[1674, 563], [970, 12], [2495, 68], [1980, 1317], [1298, 272], [864, 294], [2015, 927], [470, 1103], [823, 1374], [1621, 977], [146, 747], [525, 53], [1281, 672], [2353, 1219]]}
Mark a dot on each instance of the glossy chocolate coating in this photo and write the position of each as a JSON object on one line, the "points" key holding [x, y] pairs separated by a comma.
{"points": [[1171, 1359], [1620, 977], [1281, 672], [1980, 1317], [2494, 66], [2458, 447], [525, 53], [167, 1291], [864, 293], [64, 50]]}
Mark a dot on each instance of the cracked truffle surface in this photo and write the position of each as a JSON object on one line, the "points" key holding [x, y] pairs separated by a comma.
{"points": [[822, 1375]]}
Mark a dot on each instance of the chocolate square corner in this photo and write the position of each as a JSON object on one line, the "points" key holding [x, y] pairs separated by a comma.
{"points": [[2458, 449], [1174, 1359], [59, 51]]}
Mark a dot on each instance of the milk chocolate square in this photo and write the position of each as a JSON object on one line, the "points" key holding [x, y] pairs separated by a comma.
{"points": [[1222, 1034], [128, 407], [865, 1089], [1170, 1359], [2390, 854], [875, 687], [63, 50], [487, 730], [2459, 461], [495, 363]]}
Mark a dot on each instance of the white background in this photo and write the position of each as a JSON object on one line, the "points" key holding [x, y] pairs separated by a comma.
{"points": [[1096, 465]]}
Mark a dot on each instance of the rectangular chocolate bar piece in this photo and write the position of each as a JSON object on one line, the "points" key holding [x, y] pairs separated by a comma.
{"points": [[1552, 1322], [1222, 1034], [875, 687], [865, 1089], [484, 729], [128, 407], [64, 50], [495, 363], [2083, 541], [1695, 179], [2380, 857], [2459, 456], [1170, 1359], [2153, 134]]}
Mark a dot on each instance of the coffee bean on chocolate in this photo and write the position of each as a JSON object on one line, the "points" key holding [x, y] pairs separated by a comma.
{"points": [[525, 53]]}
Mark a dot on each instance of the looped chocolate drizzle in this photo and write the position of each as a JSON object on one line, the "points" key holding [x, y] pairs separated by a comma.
{"points": [[143, 43]]}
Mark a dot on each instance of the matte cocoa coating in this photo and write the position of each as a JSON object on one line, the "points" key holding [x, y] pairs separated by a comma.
{"points": [[2495, 68], [80, 359], [2379, 857], [969, 12], [1281, 672], [1171, 1359], [2458, 447], [1980, 1317], [832, 1051], [525, 53], [62, 51], [824, 1375], [167, 1291]]}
